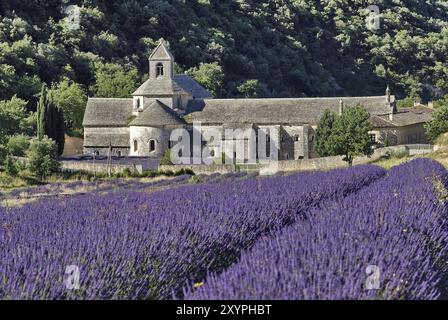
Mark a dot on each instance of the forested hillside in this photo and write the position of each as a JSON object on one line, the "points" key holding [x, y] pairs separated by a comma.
{"points": [[246, 47]]}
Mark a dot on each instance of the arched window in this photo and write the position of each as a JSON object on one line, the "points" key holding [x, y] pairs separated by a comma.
{"points": [[119, 153], [212, 153], [159, 70], [137, 104], [297, 138], [135, 145], [152, 145], [96, 153]]}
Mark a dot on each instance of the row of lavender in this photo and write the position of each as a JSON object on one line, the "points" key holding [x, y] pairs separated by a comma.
{"points": [[387, 241], [140, 246]]}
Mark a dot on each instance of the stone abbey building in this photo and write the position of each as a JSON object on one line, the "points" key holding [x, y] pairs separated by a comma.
{"points": [[141, 126]]}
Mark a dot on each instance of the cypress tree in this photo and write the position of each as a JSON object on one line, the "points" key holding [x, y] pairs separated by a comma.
{"points": [[41, 112], [50, 120]]}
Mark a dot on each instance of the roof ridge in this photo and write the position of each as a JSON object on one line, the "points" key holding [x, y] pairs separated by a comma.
{"points": [[99, 98], [299, 98]]}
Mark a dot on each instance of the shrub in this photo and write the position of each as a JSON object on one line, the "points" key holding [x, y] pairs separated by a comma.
{"points": [[43, 158], [149, 174], [3, 153], [18, 145], [11, 167], [438, 124], [168, 173], [181, 172], [166, 158]]}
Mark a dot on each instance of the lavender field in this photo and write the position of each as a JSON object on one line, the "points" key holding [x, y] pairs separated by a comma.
{"points": [[302, 236]]}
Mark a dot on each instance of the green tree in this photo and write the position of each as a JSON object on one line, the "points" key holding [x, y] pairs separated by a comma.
{"points": [[18, 145], [209, 75], [250, 88], [406, 103], [42, 109], [438, 124], [43, 158], [350, 134], [324, 129], [13, 116], [71, 98], [50, 119], [114, 81]]}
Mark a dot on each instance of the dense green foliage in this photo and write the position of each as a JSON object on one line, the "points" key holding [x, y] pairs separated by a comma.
{"points": [[346, 134], [14, 119], [18, 145], [350, 134], [70, 97], [293, 48], [323, 133], [3, 154], [11, 167], [114, 82], [210, 75], [439, 123], [50, 121], [42, 157], [241, 48]]}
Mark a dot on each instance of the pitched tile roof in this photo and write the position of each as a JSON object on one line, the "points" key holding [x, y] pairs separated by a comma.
{"points": [[155, 115], [107, 112], [181, 84], [278, 110], [159, 87], [405, 117], [102, 140]]}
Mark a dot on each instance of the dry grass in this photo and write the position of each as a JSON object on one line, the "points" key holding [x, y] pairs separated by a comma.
{"points": [[388, 163], [24, 198]]}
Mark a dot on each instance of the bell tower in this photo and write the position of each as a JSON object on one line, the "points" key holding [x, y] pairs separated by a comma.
{"points": [[161, 63]]}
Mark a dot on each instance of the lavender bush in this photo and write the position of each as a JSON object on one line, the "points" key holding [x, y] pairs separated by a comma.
{"points": [[138, 246], [397, 226]]}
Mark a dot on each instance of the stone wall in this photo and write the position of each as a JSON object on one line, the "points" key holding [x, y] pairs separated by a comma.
{"points": [[326, 163], [74, 166], [202, 168]]}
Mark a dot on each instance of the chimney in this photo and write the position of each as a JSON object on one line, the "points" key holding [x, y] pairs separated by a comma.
{"points": [[388, 94], [431, 104], [341, 106], [391, 105]]}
